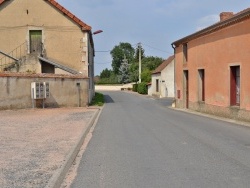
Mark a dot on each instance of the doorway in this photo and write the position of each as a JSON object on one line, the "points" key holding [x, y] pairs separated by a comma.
{"points": [[235, 85], [186, 88], [35, 41]]}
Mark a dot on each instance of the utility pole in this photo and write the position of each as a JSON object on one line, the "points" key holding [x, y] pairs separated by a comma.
{"points": [[139, 46]]}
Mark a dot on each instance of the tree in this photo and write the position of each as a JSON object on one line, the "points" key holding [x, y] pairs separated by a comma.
{"points": [[151, 63], [118, 53], [134, 71], [146, 76], [106, 73], [124, 71], [137, 53]]}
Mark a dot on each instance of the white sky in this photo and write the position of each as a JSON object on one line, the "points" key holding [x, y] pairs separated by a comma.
{"points": [[154, 23]]}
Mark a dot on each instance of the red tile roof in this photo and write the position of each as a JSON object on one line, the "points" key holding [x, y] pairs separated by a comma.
{"points": [[67, 13], [238, 17], [163, 65]]}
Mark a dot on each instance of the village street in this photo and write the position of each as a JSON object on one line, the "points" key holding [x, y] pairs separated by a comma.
{"points": [[138, 142]]}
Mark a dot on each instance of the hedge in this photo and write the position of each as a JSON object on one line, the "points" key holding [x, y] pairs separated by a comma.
{"points": [[142, 88], [135, 87]]}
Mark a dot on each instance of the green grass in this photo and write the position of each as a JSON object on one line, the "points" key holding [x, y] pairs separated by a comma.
{"points": [[98, 100]]}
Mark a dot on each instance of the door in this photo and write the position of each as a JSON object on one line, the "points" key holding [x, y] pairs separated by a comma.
{"points": [[186, 89], [157, 85], [201, 87], [35, 41], [235, 85]]}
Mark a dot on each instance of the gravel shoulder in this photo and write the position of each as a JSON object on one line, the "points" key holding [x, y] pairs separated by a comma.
{"points": [[35, 143]]}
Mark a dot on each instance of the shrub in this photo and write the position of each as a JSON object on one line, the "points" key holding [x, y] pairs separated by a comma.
{"points": [[135, 86], [142, 88], [98, 100]]}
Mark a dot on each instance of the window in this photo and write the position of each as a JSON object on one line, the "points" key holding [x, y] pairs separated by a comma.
{"points": [[35, 41], [185, 52], [157, 85], [201, 83], [235, 85]]}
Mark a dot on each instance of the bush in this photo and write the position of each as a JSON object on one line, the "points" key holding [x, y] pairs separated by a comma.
{"points": [[98, 100], [135, 87], [113, 79], [142, 88]]}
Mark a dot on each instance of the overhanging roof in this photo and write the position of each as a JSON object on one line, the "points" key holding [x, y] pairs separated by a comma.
{"points": [[57, 65]]}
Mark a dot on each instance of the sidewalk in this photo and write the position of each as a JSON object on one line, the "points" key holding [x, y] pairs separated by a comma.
{"points": [[37, 147]]}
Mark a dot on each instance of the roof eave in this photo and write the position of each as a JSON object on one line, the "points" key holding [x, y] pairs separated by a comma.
{"points": [[212, 28], [80, 23]]}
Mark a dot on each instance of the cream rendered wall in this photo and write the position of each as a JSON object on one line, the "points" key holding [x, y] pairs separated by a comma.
{"points": [[167, 81], [153, 84], [65, 91], [63, 40], [150, 91]]}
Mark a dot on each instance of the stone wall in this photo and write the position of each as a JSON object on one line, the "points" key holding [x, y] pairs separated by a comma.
{"points": [[64, 91]]}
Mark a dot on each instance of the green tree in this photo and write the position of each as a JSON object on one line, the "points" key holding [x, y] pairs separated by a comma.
{"points": [[137, 53], [106, 73], [118, 53], [134, 71], [124, 72], [146, 76], [151, 62]]}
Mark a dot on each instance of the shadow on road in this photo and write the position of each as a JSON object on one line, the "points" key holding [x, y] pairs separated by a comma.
{"points": [[165, 101], [108, 99]]}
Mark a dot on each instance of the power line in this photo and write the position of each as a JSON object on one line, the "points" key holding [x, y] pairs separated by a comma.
{"points": [[102, 50], [104, 63], [156, 48]]}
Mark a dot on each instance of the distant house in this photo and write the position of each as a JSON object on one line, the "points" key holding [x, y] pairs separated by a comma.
{"points": [[162, 84], [41, 36], [212, 68]]}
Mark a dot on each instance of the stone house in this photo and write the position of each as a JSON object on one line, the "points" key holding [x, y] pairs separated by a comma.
{"points": [[41, 36], [162, 79], [212, 68]]}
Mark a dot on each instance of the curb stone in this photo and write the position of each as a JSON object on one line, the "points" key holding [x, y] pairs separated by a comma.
{"points": [[58, 177], [242, 123]]}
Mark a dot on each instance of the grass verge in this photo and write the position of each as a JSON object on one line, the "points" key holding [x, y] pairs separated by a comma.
{"points": [[98, 100]]}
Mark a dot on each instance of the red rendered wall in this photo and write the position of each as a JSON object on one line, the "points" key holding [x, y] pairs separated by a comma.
{"points": [[215, 53]]}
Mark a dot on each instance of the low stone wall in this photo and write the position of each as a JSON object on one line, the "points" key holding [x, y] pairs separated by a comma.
{"points": [[64, 91], [232, 112], [114, 87]]}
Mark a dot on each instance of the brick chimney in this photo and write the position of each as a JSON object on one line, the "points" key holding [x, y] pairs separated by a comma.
{"points": [[225, 15]]}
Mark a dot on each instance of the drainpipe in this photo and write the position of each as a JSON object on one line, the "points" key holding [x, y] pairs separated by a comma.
{"points": [[79, 93], [173, 46]]}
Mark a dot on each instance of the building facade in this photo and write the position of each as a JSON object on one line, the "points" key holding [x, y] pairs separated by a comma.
{"points": [[162, 79], [212, 68], [41, 36]]}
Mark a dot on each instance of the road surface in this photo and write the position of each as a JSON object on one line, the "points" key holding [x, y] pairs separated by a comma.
{"points": [[138, 142]]}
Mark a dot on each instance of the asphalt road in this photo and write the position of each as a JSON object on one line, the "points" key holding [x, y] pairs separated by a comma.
{"points": [[139, 143]]}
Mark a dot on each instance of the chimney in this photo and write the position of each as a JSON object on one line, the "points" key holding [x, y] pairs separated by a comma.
{"points": [[225, 15]]}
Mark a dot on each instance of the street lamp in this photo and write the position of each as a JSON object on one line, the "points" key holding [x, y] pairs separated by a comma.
{"points": [[97, 32]]}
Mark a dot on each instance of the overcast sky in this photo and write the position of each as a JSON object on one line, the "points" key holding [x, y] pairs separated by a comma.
{"points": [[154, 23]]}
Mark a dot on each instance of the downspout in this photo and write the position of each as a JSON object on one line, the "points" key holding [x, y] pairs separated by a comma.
{"points": [[173, 46]]}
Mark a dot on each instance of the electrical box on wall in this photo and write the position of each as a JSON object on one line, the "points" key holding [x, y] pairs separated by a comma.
{"points": [[40, 90], [46, 89]]}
